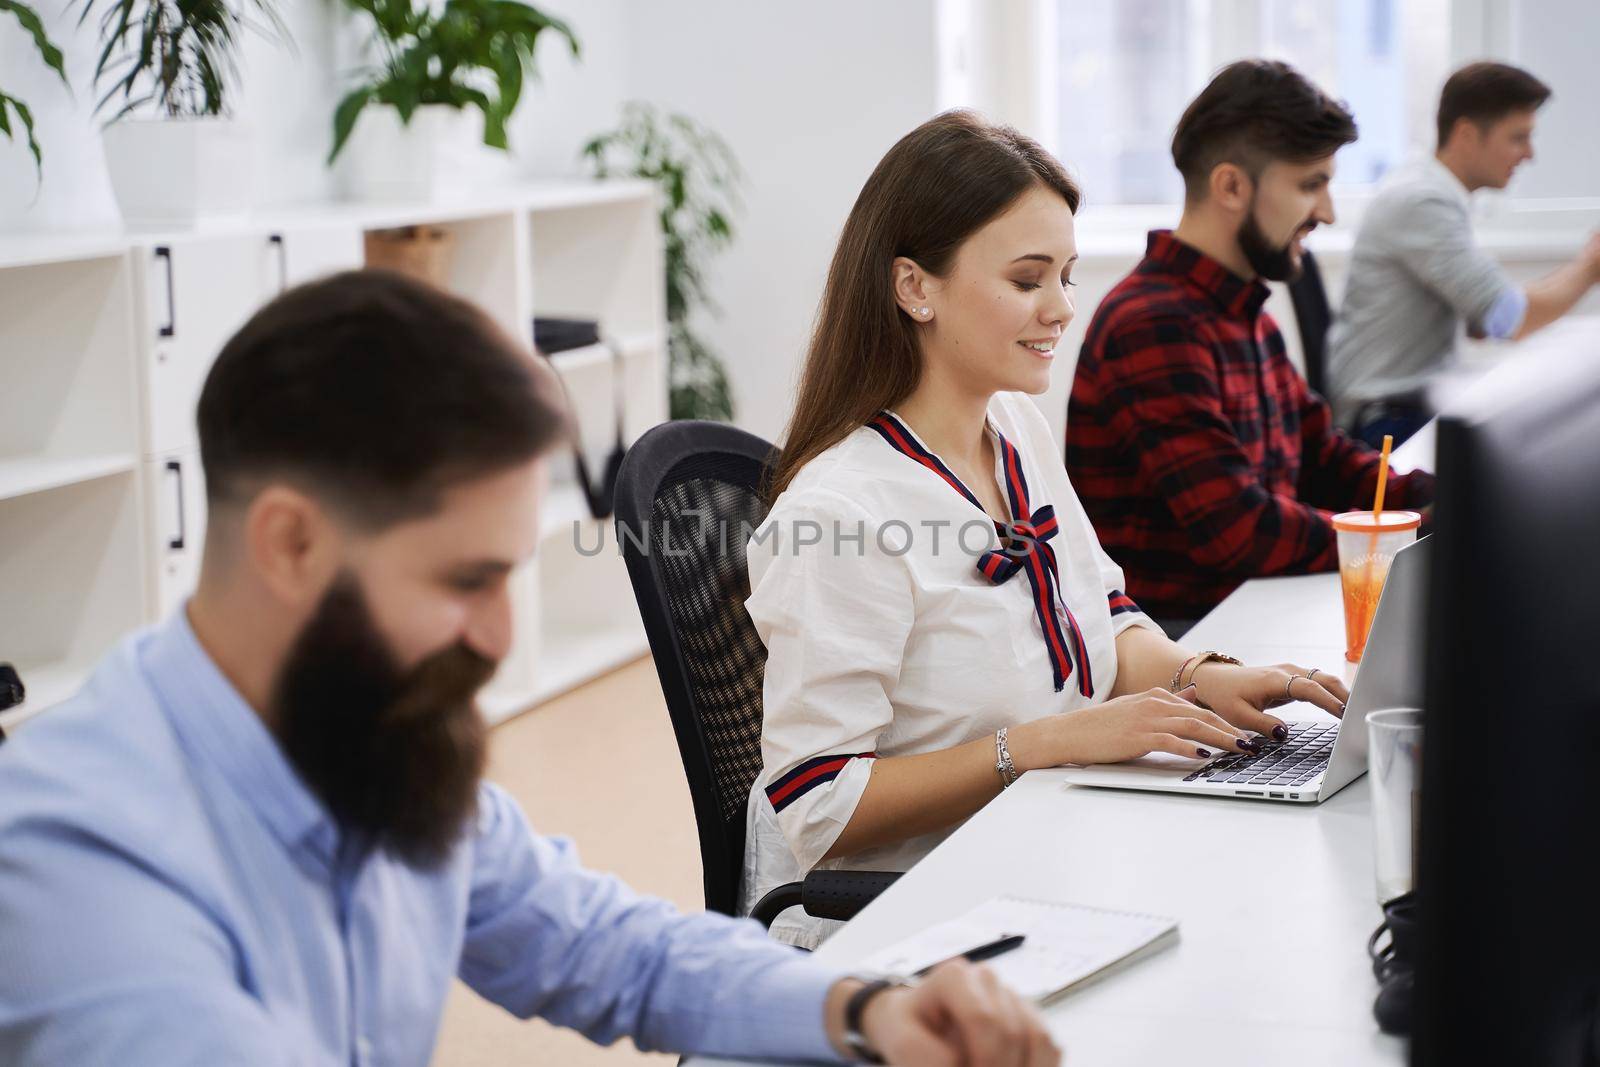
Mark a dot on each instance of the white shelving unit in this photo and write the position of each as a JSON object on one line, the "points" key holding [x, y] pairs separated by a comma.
{"points": [[106, 338]]}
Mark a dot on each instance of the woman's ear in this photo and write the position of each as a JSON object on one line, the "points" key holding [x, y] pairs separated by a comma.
{"points": [[911, 290]]}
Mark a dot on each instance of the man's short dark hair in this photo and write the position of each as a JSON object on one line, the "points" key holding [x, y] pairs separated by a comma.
{"points": [[375, 392], [1484, 93], [1255, 112]]}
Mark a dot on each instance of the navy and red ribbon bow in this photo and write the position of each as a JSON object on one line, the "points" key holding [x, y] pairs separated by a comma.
{"points": [[1025, 547]]}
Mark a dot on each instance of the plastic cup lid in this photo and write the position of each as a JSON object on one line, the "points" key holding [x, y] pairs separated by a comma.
{"points": [[1387, 522]]}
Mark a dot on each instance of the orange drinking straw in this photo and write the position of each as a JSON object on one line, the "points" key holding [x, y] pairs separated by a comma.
{"points": [[1377, 524], [1383, 481]]}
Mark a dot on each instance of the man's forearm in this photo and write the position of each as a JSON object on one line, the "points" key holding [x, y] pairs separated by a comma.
{"points": [[1553, 296]]}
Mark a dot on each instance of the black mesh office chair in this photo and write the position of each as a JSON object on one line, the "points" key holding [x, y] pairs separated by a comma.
{"points": [[1313, 315], [687, 494]]}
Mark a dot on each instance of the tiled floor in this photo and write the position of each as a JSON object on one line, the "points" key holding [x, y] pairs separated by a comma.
{"points": [[599, 765]]}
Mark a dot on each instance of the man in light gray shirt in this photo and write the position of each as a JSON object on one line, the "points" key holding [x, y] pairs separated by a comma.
{"points": [[1416, 274]]}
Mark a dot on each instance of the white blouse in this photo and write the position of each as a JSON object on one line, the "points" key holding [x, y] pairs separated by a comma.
{"points": [[884, 637]]}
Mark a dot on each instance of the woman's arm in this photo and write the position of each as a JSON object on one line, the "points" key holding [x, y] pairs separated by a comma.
{"points": [[1146, 659], [907, 796], [912, 795]]}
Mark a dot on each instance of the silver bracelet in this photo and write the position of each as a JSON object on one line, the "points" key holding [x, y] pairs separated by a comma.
{"points": [[1002, 760]]}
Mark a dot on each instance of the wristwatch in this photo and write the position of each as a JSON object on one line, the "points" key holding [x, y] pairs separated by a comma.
{"points": [[1199, 661], [856, 1007]]}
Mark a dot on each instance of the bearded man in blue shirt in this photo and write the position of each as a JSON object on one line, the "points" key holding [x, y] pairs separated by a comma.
{"points": [[259, 834]]}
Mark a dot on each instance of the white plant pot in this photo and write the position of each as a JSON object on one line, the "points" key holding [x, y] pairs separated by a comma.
{"points": [[180, 171], [439, 155]]}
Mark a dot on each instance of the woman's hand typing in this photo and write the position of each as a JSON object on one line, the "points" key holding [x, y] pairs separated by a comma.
{"points": [[1242, 695], [1126, 728]]}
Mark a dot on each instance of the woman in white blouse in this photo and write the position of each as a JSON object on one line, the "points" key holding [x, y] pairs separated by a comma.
{"points": [[938, 614]]}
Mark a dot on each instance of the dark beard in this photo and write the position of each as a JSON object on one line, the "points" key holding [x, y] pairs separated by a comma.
{"points": [[1274, 263], [395, 757]]}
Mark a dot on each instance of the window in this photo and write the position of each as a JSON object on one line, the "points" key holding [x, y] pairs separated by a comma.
{"points": [[1126, 70]]}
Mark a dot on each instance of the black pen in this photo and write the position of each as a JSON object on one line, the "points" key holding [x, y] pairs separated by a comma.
{"points": [[999, 946]]}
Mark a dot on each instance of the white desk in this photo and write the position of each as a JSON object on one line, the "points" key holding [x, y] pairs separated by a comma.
{"points": [[1275, 901]]}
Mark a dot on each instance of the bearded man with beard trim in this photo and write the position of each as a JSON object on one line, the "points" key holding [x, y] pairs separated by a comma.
{"points": [[259, 834], [1199, 452]]}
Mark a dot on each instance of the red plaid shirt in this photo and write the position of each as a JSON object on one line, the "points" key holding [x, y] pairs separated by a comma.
{"points": [[1199, 452]]}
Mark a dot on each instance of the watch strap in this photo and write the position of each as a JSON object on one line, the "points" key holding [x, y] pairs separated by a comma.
{"points": [[855, 1008]]}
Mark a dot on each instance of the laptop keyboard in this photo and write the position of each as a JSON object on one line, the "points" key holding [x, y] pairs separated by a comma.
{"points": [[1292, 762]]}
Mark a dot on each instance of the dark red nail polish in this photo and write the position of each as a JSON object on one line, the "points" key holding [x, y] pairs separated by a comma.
{"points": [[1203, 753], [1281, 732], [1249, 744]]}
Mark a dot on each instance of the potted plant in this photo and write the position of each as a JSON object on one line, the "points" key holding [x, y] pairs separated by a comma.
{"points": [[14, 114], [174, 153], [434, 65], [699, 181]]}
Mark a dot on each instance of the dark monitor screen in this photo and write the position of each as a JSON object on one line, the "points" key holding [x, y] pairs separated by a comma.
{"points": [[1509, 902]]}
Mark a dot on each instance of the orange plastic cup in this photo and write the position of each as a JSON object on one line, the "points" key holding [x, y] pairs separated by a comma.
{"points": [[1367, 545]]}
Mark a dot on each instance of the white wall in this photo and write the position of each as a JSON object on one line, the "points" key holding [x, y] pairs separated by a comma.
{"points": [[74, 190], [287, 95], [809, 96], [1555, 40]]}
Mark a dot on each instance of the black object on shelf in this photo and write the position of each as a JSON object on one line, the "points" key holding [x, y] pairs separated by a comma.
{"points": [[552, 336], [12, 691]]}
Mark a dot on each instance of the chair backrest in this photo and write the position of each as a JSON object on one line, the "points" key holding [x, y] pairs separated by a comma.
{"points": [[687, 497], [1314, 316]]}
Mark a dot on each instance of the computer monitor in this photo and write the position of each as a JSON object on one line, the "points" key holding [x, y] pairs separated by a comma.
{"points": [[1509, 910]]}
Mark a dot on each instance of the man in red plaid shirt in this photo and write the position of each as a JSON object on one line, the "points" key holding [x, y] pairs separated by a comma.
{"points": [[1199, 452]]}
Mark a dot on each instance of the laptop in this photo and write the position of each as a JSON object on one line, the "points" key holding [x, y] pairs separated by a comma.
{"points": [[1319, 758]]}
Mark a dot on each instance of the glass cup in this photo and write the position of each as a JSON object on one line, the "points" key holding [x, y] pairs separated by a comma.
{"points": [[1394, 767], [1366, 548]]}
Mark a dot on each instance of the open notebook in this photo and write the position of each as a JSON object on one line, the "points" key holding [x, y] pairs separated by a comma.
{"points": [[1067, 944]]}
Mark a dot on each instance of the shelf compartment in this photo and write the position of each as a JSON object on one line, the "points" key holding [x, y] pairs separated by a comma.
{"points": [[483, 268], [47, 249], [589, 378], [67, 361], [602, 262], [20, 477], [587, 620], [71, 568]]}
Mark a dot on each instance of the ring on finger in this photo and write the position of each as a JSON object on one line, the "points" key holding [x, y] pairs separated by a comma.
{"points": [[1311, 675], [1288, 687]]}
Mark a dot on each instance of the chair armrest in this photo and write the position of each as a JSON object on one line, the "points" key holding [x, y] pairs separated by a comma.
{"points": [[825, 894]]}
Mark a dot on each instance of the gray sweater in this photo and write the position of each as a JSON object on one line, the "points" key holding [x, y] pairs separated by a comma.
{"points": [[1415, 276]]}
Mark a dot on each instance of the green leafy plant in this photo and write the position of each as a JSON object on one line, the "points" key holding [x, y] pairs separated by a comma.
{"points": [[10, 105], [699, 181], [178, 56], [470, 53]]}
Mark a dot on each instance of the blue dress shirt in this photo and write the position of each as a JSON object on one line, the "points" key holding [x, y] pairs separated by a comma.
{"points": [[172, 894], [1505, 314]]}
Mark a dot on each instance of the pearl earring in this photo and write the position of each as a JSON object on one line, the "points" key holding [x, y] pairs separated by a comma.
{"points": [[922, 311]]}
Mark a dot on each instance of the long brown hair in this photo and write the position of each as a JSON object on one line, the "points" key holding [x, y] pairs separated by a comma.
{"points": [[939, 184]]}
